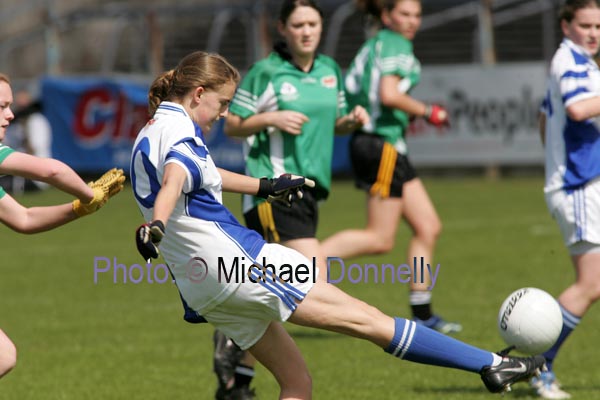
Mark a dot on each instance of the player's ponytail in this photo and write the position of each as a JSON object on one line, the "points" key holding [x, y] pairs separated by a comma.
{"points": [[210, 71], [370, 7], [159, 90]]}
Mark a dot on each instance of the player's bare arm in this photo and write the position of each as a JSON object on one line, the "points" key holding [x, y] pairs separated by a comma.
{"points": [[354, 120], [238, 183], [584, 109], [284, 120], [48, 170], [34, 219], [392, 97], [171, 188]]}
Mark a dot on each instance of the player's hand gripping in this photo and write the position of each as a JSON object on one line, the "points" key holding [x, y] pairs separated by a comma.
{"points": [[286, 188], [148, 237], [436, 115], [104, 188]]}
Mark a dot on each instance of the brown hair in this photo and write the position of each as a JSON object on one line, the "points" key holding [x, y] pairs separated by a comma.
{"points": [[375, 7], [4, 78], [568, 10], [210, 71], [288, 7]]}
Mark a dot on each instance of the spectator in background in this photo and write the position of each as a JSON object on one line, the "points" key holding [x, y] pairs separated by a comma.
{"points": [[35, 131], [380, 79]]}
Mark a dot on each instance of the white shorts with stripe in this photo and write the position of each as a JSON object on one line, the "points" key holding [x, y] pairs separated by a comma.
{"points": [[577, 214], [245, 315]]}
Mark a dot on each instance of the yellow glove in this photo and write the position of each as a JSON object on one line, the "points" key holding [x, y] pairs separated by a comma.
{"points": [[83, 209], [111, 182], [104, 188]]}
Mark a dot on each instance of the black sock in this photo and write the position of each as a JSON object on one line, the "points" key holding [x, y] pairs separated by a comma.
{"points": [[422, 311], [243, 375]]}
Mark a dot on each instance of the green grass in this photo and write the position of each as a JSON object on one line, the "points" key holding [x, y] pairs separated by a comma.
{"points": [[83, 340]]}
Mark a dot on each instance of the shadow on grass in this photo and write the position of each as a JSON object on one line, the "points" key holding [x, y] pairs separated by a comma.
{"points": [[314, 334], [518, 393]]}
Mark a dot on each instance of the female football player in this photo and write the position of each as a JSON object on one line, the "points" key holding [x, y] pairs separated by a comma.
{"points": [[38, 219], [380, 79], [178, 189], [572, 142], [289, 106]]}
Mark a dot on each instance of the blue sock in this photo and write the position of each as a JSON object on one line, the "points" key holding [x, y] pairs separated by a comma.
{"points": [[417, 343], [570, 322]]}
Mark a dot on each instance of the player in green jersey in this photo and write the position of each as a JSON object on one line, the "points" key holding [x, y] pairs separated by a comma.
{"points": [[38, 219], [380, 79], [288, 106]]}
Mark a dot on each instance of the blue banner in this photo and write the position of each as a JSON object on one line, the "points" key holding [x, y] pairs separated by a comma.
{"points": [[95, 121]]}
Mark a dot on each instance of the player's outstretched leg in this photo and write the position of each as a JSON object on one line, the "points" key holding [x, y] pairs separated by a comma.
{"points": [[327, 307], [8, 354]]}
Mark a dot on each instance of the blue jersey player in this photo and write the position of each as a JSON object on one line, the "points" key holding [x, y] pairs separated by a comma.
{"points": [[572, 143], [178, 190]]}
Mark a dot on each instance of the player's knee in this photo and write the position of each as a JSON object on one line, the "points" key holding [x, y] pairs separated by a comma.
{"points": [[594, 291], [300, 387], [382, 245], [429, 231], [8, 358]]}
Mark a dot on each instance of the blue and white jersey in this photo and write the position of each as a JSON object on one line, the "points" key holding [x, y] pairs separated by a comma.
{"points": [[200, 230], [572, 148]]}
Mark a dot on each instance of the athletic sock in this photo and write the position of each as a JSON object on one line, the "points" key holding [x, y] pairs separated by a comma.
{"points": [[414, 342], [420, 304], [243, 375], [570, 322]]}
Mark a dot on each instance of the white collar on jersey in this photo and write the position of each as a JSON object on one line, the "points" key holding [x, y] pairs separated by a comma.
{"points": [[170, 107], [578, 49]]}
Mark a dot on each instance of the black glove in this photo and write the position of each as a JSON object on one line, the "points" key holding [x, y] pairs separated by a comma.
{"points": [[285, 188], [148, 237]]}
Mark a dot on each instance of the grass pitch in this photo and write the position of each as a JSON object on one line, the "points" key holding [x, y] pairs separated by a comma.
{"points": [[86, 337]]}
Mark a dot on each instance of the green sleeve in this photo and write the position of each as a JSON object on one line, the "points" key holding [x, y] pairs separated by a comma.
{"points": [[245, 102], [396, 56], [5, 151]]}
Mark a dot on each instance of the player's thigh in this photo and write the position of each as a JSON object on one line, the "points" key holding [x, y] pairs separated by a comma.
{"points": [[577, 213], [328, 307], [277, 351], [309, 247], [384, 215]]}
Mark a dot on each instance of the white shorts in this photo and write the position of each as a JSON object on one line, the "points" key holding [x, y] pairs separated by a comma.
{"points": [[246, 314], [578, 216]]}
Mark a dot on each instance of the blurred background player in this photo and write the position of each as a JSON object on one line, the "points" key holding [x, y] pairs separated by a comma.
{"points": [[289, 106], [380, 79], [34, 133], [572, 144], [178, 189], [39, 219]]}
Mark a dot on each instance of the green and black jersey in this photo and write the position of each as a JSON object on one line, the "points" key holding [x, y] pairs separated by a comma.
{"points": [[5, 151], [274, 84], [387, 53]]}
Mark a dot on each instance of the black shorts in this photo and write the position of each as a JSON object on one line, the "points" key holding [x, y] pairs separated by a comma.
{"points": [[378, 167], [277, 222]]}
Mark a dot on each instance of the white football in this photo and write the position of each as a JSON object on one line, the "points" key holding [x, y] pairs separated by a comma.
{"points": [[530, 319]]}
